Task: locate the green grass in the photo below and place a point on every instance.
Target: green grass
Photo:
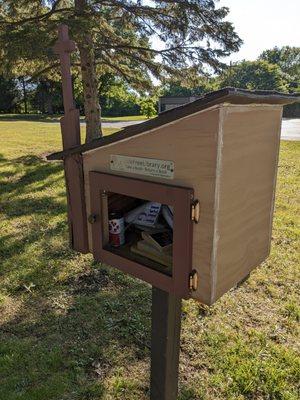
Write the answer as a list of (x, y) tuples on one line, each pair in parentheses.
[(56, 118), (127, 118), (71, 329)]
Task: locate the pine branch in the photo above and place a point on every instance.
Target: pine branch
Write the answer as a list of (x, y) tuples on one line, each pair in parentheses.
[(54, 10), (139, 48), (44, 70)]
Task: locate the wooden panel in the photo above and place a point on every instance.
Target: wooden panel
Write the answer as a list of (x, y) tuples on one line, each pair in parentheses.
[(191, 144), (76, 203), (245, 189)]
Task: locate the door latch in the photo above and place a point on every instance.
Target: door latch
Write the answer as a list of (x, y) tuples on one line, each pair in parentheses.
[(195, 211)]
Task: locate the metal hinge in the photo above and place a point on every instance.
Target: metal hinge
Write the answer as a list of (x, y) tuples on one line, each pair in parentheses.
[(193, 280), (195, 211)]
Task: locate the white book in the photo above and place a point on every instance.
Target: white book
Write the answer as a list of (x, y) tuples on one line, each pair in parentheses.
[(146, 214)]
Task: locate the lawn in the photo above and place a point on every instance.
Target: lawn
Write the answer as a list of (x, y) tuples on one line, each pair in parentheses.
[(72, 329), (56, 118)]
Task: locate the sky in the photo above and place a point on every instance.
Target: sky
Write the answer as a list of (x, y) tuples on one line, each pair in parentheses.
[(264, 24), (261, 24)]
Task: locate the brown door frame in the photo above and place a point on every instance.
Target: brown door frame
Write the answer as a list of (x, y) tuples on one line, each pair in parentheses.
[(180, 198)]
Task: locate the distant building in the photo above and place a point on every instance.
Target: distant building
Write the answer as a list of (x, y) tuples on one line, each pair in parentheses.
[(168, 103)]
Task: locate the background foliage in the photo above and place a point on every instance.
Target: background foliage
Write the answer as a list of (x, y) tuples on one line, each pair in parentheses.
[(276, 69)]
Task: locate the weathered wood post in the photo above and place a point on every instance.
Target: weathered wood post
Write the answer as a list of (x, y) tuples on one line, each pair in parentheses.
[(70, 123), (165, 345), (70, 128)]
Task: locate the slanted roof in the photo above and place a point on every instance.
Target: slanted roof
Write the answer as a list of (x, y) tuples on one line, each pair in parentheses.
[(226, 95)]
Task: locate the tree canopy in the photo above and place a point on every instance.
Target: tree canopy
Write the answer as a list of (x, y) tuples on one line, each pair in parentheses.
[(197, 87), (193, 36), (288, 60), (252, 75), (193, 32)]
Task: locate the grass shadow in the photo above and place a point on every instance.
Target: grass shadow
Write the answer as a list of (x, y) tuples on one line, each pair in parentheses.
[(78, 321)]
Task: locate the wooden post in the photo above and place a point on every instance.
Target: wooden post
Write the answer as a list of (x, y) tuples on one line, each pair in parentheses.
[(70, 122), (165, 345), (70, 128)]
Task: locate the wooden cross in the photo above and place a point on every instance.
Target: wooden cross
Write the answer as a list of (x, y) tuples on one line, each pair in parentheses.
[(70, 122)]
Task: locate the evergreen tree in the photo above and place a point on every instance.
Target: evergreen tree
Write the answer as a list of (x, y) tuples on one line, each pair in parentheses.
[(114, 36)]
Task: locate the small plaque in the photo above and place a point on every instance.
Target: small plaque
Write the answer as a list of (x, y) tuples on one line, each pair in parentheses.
[(142, 166)]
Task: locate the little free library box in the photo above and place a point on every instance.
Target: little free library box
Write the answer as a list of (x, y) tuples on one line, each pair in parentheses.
[(184, 201)]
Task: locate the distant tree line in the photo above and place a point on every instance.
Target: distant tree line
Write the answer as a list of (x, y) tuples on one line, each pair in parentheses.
[(276, 69), (23, 95)]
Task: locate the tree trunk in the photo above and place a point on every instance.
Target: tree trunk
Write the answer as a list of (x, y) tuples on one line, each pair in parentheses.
[(48, 104), (24, 95), (89, 79)]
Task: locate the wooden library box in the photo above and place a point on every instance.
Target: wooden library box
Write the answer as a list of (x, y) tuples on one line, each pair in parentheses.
[(190, 193)]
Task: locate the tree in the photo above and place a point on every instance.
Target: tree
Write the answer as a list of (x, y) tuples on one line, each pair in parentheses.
[(114, 37), (196, 87), (148, 107), (174, 88), (88, 71), (288, 59), (24, 90), (254, 75), (117, 98), (9, 95), (47, 97)]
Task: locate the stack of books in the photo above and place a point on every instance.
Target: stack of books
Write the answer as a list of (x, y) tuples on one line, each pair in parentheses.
[(157, 246)]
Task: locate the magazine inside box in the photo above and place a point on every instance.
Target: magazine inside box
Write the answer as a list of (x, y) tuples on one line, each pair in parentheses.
[(138, 230)]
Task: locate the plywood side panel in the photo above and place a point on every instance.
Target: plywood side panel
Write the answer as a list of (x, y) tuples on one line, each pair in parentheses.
[(250, 144), (192, 145)]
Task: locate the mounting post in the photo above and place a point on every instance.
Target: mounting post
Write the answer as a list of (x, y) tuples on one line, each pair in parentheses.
[(165, 345)]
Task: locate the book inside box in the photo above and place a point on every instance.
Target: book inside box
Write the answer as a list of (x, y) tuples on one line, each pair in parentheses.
[(139, 230)]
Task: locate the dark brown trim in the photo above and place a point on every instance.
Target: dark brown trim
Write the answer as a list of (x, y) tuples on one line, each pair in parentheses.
[(165, 345), (179, 197), (230, 95), (76, 203)]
